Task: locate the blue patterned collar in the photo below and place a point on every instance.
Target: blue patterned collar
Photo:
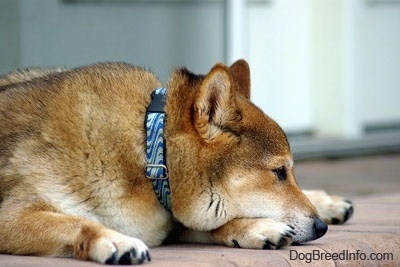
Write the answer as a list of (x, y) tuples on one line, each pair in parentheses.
[(156, 168)]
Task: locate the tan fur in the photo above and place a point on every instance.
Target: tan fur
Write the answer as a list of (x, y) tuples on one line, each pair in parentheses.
[(72, 154), (24, 75)]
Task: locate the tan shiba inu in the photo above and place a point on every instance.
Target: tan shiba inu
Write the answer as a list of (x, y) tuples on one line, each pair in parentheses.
[(73, 166)]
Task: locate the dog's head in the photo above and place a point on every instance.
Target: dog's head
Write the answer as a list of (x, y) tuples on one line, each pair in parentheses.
[(227, 158)]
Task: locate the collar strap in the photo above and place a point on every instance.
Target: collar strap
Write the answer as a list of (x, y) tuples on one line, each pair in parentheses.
[(156, 167)]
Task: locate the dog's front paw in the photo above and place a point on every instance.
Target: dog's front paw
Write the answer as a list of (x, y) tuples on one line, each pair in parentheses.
[(338, 211), (282, 236), (125, 250), (257, 233), (111, 247), (332, 209)]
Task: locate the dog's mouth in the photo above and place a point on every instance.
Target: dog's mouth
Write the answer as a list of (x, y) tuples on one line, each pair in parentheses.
[(312, 229)]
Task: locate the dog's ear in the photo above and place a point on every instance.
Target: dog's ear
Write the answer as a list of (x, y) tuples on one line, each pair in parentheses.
[(241, 76), (215, 108)]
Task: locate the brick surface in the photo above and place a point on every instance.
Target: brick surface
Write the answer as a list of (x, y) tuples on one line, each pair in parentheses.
[(372, 183)]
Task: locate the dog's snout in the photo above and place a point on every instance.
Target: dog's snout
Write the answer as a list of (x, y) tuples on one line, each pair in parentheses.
[(320, 227)]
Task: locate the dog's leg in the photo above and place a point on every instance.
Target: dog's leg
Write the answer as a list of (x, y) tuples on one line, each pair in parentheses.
[(332, 209), (254, 233), (47, 233)]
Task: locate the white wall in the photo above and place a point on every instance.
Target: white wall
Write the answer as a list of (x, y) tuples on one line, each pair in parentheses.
[(378, 59), (329, 66), (336, 106), (280, 60)]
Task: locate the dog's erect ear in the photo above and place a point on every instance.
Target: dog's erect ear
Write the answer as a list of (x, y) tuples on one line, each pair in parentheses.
[(241, 76), (215, 105)]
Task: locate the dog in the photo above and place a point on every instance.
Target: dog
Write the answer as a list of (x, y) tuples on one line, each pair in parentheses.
[(78, 177)]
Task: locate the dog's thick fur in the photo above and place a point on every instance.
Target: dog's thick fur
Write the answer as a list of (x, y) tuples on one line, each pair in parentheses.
[(72, 155)]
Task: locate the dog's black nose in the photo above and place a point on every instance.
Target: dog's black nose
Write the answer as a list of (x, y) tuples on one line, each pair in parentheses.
[(320, 227)]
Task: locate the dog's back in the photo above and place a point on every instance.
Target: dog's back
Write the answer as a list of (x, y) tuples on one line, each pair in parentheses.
[(28, 74)]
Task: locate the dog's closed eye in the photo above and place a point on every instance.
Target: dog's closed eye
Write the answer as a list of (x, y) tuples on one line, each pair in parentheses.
[(280, 173)]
